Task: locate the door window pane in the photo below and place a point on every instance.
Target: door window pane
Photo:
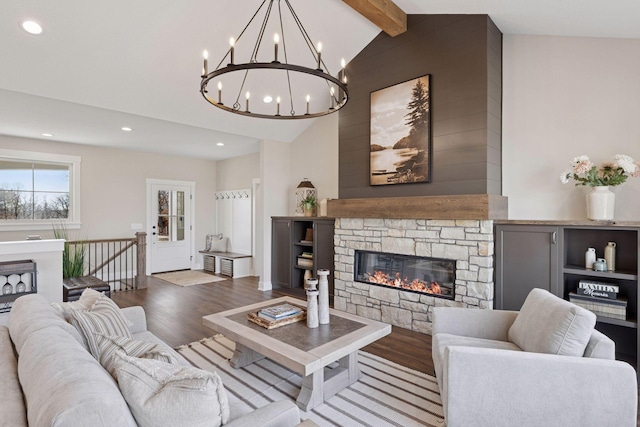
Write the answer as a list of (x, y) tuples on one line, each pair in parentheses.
[(170, 216)]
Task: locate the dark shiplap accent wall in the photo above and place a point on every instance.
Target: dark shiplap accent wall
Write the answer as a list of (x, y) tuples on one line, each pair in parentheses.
[(463, 54)]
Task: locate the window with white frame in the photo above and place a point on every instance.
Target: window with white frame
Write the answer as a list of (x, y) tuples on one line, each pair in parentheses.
[(38, 189)]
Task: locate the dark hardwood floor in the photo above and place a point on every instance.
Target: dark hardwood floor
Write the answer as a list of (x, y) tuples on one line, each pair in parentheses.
[(175, 313)]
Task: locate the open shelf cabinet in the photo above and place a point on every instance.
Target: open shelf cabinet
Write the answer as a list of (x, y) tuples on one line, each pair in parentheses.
[(552, 256), (301, 244), (575, 241)]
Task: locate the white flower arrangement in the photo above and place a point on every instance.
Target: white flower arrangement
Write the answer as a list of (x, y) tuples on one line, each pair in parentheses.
[(584, 172)]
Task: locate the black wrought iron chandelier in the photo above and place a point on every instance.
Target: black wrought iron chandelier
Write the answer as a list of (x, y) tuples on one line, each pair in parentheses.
[(291, 85)]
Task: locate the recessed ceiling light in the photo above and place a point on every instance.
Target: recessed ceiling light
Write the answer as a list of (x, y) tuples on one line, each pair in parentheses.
[(220, 144), (47, 134), (127, 129), (267, 99), (32, 27)]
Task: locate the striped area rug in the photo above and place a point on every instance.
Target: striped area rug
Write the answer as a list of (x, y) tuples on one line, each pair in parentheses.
[(386, 395)]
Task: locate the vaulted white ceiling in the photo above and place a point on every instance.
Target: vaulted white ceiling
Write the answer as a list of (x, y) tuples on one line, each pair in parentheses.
[(100, 66)]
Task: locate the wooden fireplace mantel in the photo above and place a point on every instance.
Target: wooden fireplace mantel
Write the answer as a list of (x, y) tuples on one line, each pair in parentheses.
[(465, 206)]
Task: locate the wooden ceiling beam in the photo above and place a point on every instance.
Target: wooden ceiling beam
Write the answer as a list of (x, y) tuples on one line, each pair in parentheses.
[(384, 13)]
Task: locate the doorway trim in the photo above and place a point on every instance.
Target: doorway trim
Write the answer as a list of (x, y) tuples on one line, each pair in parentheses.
[(150, 220)]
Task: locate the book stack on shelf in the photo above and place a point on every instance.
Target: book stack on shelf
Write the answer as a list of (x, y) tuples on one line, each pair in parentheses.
[(601, 298), (305, 259), (279, 315)]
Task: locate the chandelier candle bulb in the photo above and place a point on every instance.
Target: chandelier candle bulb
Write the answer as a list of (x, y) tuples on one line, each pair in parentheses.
[(277, 106), (276, 40), (319, 55), (248, 96), (205, 70), (220, 93), (308, 99), (332, 98), (232, 43)]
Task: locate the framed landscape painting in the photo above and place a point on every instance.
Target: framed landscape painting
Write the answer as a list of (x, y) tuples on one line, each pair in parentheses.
[(400, 141)]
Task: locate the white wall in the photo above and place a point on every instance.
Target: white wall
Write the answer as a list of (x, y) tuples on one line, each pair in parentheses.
[(113, 188), (272, 200), (238, 172), (314, 155), (564, 97)]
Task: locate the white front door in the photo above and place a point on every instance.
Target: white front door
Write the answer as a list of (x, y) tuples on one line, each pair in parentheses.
[(170, 227)]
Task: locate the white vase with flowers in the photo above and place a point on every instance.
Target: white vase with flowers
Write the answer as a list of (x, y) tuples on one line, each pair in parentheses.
[(601, 200)]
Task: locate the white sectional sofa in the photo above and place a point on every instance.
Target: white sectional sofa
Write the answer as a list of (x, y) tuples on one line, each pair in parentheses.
[(51, 379)]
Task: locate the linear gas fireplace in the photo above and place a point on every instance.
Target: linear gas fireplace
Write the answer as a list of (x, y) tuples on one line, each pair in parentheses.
[(432, 276)]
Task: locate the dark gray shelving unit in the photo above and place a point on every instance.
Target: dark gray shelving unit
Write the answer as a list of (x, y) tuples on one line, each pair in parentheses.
[(551, 256), (288, 235), (526, 258)]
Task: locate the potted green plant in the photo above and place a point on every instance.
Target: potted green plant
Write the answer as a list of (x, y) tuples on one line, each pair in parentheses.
[(309, 205), (72, 258)]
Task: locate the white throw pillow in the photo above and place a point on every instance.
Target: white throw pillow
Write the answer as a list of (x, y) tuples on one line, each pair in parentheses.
[(87, 299), (105, 318), (161, 394), (548, 324), (109, 345), (219, 245)]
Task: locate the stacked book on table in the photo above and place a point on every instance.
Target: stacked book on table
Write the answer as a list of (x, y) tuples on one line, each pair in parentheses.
[(279, 312), (278, 315), (601, 298), (305, 259)]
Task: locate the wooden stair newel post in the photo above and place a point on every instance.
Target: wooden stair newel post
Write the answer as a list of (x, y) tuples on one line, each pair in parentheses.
[(141, 257)]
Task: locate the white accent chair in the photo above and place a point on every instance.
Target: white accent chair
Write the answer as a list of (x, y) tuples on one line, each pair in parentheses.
[(545, 365)]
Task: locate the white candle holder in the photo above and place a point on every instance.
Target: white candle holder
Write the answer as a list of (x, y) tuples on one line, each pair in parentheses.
[(323, 299)]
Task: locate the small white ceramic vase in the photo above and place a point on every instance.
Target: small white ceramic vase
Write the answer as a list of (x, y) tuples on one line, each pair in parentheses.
[(589, 258), (323, 299), (601, 203), (610, 256)]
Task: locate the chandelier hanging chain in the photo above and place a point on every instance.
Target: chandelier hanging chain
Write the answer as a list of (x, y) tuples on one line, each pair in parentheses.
[(256, 47), (314, 52), (337, 85), (241, 33), (236, 105), (286, 60)]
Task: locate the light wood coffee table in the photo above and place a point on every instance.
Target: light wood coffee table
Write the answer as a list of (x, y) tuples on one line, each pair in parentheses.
[(305, 351)]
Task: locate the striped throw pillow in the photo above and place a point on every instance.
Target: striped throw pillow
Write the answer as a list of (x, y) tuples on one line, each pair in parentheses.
[(108, 345), (104, 318)]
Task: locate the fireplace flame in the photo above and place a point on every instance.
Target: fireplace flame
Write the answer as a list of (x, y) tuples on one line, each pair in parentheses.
[(382, 278)]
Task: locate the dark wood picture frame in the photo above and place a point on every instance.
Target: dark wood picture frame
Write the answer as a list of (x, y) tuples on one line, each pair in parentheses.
[(400, 133)]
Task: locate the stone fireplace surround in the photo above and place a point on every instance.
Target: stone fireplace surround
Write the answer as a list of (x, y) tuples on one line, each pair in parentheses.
[(458, 227), (469, 242)]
